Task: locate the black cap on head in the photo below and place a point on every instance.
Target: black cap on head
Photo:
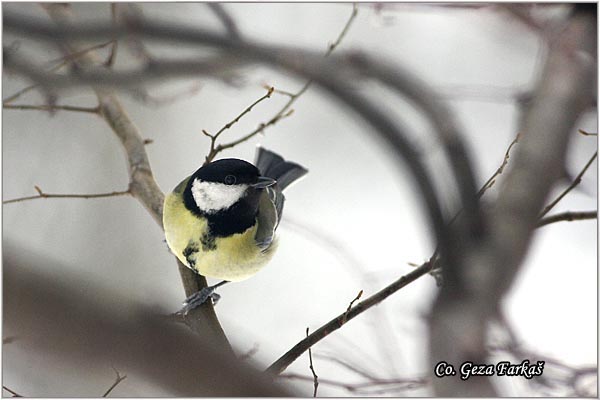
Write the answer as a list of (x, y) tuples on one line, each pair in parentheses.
[(229, 171)]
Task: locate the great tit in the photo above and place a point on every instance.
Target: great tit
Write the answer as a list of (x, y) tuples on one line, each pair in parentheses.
[(221, 220)]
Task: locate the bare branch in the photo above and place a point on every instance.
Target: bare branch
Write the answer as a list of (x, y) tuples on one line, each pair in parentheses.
[(51, 108), (112, 55), (353, 301), (360, 293), (118, 380), (61, 63), (344, 31), (290, 356), (101, 77), (216, 149), (42, 195), (286, 110), (568, 216), (246, 111), (261, 127), (227, 20), (473, 290), (70, 57), (14, 394), (584, 133), (144, 188), (370, 386), (312, 369), (120, 332), (573, 184), (327, 74), (490, 182), (330, 49), (332, 75), (350, 366)]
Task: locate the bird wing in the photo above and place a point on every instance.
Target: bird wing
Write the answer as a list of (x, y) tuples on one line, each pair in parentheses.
[(268, 217)]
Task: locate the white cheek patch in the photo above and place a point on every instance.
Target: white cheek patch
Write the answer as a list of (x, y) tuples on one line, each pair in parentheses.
[(212, 197)]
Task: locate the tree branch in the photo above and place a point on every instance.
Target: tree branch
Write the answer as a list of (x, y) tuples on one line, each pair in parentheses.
[(472, 291), (144, 188), (568, 216), (61, 63), (312, 369), (14, 394), (573, 184), (60, 321), (215, 149), (291, 355), (227, 20), (42, 195), (120, 378), (371, 386), (286, 110), (585, 133), (490, 182), (51, 108)]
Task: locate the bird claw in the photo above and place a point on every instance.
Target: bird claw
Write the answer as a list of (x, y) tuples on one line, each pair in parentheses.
[(198, 299)]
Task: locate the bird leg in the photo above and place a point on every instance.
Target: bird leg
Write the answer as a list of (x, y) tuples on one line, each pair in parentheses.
[(200, 298)]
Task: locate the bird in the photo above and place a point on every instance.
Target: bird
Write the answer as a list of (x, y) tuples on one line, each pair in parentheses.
[(221, 221)]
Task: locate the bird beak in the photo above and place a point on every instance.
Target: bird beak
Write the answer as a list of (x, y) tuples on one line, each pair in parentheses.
[(264, 182)]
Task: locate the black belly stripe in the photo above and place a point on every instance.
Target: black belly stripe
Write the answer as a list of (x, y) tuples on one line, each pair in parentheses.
[(191, 249), (208, 242), (235, 219)]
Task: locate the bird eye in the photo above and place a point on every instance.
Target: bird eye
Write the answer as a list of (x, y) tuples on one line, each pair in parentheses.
[(230, 180)]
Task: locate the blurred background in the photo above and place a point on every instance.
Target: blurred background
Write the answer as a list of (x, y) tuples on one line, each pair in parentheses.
[(353, 223)]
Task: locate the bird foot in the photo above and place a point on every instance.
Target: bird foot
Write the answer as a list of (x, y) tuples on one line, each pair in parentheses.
[(198, 299)]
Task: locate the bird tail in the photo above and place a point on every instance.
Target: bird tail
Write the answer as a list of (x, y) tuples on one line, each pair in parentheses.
[(272, 165)]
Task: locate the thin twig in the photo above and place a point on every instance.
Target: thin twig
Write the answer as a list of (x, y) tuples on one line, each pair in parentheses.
[(216, 149), (284, 361), (474, 289), (112, 55), (15, 394), (330, 49), (286, 110), (353, 301), (568, 375), (51, 108), (490, 182), (279, 91), (573, 184), (404, 383), (42, 195), (312, 369), (62, 61), (118, 380), (484, 188), (347, 365), (291, 355), (261, 127), (143, 186), (68, 58), (585, 133), (568, 216)]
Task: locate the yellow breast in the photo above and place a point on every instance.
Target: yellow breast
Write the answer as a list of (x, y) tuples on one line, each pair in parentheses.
[(233, 258)]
